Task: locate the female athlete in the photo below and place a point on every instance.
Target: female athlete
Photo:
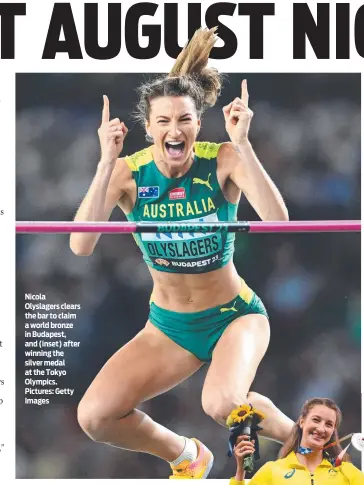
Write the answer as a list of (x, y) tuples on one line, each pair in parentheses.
[(201, 310), (312, 454)]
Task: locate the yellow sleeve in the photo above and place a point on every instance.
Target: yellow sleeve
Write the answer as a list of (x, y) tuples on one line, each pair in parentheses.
[(353, 474), (236, 482), (263, 475)]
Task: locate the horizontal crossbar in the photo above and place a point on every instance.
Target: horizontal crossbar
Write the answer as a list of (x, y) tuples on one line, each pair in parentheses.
[(34, 227)]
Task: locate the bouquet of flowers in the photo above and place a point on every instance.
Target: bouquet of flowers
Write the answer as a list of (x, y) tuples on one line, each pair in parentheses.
[(244, 420)]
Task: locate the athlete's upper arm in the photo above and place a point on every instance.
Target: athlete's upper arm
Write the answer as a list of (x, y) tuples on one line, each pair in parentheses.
[(229, 163), (237, 172), (119, 185)]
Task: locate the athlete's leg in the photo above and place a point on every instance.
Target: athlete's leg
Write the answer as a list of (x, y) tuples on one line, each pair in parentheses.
[(234, 364), (148, 365)]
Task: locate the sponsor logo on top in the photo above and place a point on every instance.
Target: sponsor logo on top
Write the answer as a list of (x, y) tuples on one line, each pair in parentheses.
[(197, 180), (290, 474), (178, 193), (162, 262), (148, 192)]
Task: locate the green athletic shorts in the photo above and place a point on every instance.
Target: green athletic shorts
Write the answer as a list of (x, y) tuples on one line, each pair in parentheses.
[(199, 332)]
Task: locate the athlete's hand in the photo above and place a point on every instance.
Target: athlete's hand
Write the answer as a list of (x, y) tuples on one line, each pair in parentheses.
[(243, 448), (238, 116), (111, 134)]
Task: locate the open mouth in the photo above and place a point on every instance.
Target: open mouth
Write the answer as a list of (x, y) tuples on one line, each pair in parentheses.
[(317, 437), (175, 148)]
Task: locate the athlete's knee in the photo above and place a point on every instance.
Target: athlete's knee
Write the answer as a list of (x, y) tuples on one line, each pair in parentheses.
[(218, 407), (92, 421), (260, 402), (95, 421)]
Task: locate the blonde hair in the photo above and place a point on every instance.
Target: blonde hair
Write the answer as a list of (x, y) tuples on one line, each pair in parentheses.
[(189, 76)]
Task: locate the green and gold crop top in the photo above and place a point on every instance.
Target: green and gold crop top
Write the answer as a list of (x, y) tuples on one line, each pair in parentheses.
[(194, 197)]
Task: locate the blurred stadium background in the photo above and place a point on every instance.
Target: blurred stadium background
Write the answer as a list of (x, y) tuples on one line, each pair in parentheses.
[(306, 132)]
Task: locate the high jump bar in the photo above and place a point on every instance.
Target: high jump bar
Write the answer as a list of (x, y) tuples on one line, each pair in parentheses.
[(57, 227)]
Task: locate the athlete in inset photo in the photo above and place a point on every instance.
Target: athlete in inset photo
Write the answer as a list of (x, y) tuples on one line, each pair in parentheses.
[(312, 454), (201, 310)]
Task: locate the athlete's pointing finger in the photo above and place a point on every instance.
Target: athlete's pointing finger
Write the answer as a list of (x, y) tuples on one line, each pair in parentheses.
[(106, 110), (244, 92)]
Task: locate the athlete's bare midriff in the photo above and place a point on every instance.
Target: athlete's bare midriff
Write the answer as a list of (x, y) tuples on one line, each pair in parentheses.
[(195, 292), (189, 292)]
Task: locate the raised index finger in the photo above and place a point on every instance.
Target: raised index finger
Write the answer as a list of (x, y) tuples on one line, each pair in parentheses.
[(105, 110), (244, 92)]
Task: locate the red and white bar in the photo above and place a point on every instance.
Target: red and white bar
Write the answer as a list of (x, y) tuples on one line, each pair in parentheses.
[(305, 226), (33, 227), (30, 227)]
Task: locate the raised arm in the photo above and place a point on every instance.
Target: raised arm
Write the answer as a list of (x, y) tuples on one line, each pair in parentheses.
[(246, 171), (107, 186)]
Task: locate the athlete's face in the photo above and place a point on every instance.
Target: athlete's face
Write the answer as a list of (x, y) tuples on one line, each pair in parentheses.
[(318, 427), (173, 124)]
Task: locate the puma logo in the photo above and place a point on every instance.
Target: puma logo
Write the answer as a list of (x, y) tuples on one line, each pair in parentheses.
[(232, 309), (196, 180)]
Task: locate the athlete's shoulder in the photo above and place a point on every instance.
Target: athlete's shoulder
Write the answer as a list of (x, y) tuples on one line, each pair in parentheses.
[(138, 159), (227, 150), (206, 149), (264, 474), (288, 461), (228, 157), (268, 465), (352, 472)]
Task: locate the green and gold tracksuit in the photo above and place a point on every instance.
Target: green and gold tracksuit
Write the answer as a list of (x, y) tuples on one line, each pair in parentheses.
[(289, 471)]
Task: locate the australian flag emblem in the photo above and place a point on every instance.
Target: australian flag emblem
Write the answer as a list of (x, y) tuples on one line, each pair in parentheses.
[(148, 192)]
